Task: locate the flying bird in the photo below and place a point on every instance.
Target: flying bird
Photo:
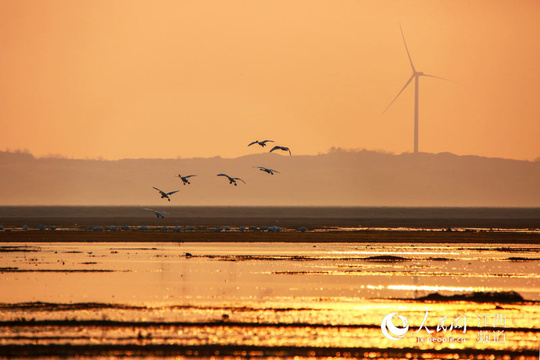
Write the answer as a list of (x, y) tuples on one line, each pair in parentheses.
[(185, 178), (231, 179), (284, 148), (164, 194), (262, 143), (159, 214), (267, 170)]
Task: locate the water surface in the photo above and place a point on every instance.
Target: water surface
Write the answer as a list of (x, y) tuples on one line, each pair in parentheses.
[(291, 299)]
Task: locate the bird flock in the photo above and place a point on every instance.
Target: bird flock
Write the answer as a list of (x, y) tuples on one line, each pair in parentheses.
[(232, 180), (186, 181)]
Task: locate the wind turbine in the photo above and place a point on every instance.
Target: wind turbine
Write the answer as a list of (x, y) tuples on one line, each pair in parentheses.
[(415, 75)]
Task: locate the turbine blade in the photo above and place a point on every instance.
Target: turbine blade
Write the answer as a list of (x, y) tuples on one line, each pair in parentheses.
[(406, 48), (438, 77), (399, 93)]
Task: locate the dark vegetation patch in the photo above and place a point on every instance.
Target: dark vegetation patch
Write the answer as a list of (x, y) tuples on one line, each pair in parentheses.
[(517, 249), (245, 351), (19, 249), (271, 257), (116, 249), (45, 306), (17, 270), (386, 258), (8, 269), (479, 297), (440, 259)]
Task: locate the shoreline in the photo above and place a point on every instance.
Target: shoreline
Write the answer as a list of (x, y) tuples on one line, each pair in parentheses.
[(285, 217), (360, 236)]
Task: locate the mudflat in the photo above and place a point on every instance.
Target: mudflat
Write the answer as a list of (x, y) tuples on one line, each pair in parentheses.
[(329, 236)]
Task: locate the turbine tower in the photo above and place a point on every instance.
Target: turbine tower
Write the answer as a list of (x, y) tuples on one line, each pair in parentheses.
[(415, 75)]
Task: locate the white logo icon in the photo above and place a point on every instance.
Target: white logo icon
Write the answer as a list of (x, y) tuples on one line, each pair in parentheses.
[(390, 331)]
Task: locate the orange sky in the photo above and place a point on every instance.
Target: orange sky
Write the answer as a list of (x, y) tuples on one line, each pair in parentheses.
[(128, 78)]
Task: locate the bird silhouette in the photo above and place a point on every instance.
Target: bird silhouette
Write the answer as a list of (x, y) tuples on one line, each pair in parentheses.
[(159, 214), (267, 170), (185, 178), (164, 194), (284, 148), (262, 143), (231, 179)]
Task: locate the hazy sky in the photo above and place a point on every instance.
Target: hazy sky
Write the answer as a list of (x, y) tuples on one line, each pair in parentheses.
[(128, 78)]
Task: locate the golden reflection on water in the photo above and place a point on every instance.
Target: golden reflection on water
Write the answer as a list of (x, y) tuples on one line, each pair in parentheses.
[(262, 295)]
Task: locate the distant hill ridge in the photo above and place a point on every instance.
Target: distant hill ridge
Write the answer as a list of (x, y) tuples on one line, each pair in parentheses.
[(338, 178)]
